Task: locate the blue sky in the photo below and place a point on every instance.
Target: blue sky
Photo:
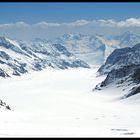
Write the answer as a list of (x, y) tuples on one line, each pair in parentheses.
[(66, 12)]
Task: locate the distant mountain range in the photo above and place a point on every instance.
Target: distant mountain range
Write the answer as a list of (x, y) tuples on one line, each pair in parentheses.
[(67, 51), (94, 49)]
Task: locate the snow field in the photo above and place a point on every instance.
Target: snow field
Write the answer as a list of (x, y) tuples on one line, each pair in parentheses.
[(61, 103)]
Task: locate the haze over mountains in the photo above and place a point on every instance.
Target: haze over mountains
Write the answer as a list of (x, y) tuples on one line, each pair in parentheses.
[(94, 49)]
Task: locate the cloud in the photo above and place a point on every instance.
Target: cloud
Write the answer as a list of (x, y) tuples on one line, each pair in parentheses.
[(17, 24), (44, 29), (77, 23), (108, 23), (46, 24), (131, 22)]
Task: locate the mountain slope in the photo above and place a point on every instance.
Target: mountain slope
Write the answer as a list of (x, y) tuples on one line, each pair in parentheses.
[(127, 39), (121, 57), (18, 57), (94, 49), (89, 48), (123, 70)]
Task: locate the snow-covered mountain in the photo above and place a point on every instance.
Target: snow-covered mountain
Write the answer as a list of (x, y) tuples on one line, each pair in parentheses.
[(94, 49), (126, 78), (91, 48), (120, 58), (18, 57), (123, 70), (69, 50), (127, 39)]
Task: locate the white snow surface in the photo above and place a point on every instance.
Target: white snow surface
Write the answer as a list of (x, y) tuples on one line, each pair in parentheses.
[(61, 103)]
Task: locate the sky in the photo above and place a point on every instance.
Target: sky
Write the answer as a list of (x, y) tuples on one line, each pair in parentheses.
[(26, 20), (34, 12)]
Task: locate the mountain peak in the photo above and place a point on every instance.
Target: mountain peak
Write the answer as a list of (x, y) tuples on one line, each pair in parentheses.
[(2, 38), (128, 32), (137, 45)]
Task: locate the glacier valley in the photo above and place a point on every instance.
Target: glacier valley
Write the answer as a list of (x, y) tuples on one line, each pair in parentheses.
[(61, 103)]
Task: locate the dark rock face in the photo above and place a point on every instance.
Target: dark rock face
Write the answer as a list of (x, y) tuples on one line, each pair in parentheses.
[(16, 73), (4, 55), (62, 49), (122, 68), (3, 104), (131, 72), (134, 91), (120, 58), (75, 64), (3, 74), (136, 75), (37, 67), (128, 71), (79, 63), (8, 45), (20, 68)]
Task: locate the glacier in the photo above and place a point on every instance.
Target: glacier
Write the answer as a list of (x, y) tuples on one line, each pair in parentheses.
[(60, 103)]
